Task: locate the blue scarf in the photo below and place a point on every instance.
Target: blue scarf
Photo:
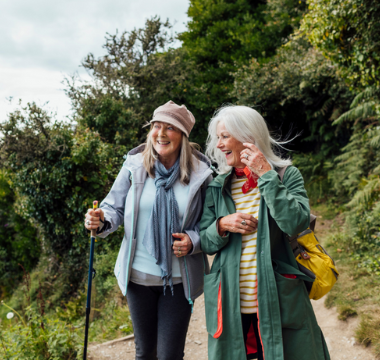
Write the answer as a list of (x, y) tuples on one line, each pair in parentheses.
[(164, 221)]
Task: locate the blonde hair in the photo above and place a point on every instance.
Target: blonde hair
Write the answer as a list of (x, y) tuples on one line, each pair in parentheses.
[(186, 160), (247, 126)]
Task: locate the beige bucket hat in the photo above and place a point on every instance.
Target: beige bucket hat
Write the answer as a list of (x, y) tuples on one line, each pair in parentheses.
[(176, 115)]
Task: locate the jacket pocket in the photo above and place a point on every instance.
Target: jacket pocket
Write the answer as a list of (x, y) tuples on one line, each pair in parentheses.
[(292, 296), (213, 304)]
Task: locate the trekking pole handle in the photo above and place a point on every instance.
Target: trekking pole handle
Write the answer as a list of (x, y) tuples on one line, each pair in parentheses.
[(94, 207)]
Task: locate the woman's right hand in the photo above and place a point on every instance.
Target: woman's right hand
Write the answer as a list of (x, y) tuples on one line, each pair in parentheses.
[(91, 221), (233, 223)]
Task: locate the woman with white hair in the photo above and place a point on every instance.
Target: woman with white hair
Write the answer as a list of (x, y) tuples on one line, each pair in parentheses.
[(158, 196), (257, 304)]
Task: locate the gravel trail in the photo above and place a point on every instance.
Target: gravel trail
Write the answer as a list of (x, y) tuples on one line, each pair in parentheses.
[(339, 337)]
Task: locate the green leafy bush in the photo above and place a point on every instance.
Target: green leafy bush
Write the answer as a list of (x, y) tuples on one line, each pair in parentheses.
[(224, 35), (356, 174), (364, 228), (112, 320), (56, 173), (39, 337), (348, 33), (19, 243), (314, 169), (360, 238), (298, 91)]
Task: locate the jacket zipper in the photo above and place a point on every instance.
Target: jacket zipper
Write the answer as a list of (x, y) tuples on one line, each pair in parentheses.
[(184, 258), (188, 285), (187, 273), (131, 236)]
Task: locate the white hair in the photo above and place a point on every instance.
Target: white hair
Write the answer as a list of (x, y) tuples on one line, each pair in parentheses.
[(247, 126)]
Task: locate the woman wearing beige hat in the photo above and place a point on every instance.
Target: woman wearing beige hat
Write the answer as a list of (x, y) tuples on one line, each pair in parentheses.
[(158, 196)]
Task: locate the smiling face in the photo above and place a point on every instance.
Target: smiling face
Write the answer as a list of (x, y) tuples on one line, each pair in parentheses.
[(167, 140), (229, 146)]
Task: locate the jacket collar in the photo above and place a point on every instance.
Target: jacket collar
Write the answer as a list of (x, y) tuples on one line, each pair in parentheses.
[(223, 181)]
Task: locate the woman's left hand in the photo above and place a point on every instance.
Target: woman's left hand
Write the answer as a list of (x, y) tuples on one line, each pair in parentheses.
[(182, 247), (254, 159)]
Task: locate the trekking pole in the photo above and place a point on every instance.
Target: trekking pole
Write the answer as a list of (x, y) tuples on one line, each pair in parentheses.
[(91, 274)]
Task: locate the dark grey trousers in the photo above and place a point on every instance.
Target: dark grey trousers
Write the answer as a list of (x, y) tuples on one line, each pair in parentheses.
[(160, 322)]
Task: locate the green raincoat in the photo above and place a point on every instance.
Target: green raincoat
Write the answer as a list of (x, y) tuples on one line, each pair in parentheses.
[(287, 324)]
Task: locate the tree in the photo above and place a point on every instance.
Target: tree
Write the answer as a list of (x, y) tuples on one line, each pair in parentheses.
[(223, 35), (19, 243), (298, 90), (56, 173), (138, 73), (140, 70), (348, 33)]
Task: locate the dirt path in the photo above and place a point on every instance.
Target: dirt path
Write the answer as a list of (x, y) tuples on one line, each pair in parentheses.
[(339, 337), (339, 334)]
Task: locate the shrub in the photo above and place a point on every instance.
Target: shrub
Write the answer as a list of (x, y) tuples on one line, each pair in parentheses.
[(19, 243), (56, 173), (39, 337)]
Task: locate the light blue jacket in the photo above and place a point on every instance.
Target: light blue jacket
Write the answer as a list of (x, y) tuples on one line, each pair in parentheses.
[(121, 206)]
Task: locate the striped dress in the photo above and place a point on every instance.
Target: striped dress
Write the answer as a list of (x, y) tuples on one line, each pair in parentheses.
[(248, 203)]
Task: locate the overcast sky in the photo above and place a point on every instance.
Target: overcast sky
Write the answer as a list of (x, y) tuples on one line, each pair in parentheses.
[(42, 41)]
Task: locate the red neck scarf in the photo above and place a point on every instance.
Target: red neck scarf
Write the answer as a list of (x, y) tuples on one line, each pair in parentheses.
[(251, 182)]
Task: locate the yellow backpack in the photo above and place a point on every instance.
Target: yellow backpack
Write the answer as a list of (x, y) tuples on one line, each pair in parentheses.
[(313, 260), (311, 256)]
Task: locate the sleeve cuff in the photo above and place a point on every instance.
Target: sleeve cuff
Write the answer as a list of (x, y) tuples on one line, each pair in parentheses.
[(105, 227), (226, 233), (195, 240), (268, 176)]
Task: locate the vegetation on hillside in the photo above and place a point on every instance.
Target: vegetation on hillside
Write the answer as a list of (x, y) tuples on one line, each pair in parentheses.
[(19, 243), (224, 35)]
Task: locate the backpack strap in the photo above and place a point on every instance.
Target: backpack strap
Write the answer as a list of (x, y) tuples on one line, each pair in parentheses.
[(313, 220), (296, 247)]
